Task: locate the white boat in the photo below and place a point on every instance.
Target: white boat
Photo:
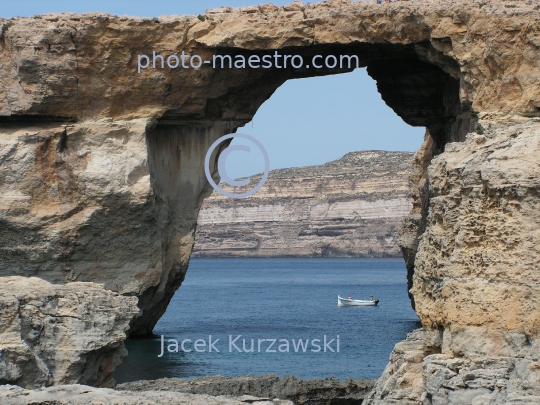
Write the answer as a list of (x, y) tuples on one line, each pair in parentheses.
[(346, 302)]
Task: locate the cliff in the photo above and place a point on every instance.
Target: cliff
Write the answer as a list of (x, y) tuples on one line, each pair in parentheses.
[(475, 282), (102, 178), (351, 207)]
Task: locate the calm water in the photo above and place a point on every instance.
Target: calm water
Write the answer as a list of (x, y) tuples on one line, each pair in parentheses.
[(279, 299)]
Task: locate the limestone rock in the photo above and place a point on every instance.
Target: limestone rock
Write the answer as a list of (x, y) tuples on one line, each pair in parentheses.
[(401, 381), (351, 207), (467, 367), (103, 202), (85, 66), (60, 334), (302, 392), (414, 224), (475, 282), (477, 260), (84, 395)]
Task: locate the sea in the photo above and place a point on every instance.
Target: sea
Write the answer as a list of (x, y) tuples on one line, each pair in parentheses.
[(290, 301)]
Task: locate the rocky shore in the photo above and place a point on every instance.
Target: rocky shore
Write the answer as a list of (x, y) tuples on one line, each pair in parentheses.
[(263, 390), (85, 395), (476, 284), (329, 391)]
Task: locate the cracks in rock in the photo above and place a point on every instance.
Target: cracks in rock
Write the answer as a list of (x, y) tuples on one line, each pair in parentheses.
[(61, 145), (10, 152), (73, 37), (40, 363)]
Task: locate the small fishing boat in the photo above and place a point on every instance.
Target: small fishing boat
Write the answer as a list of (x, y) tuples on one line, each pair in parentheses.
[(349, 302)]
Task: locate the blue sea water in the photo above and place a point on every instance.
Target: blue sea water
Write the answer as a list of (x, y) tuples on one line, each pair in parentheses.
[(278, 299)]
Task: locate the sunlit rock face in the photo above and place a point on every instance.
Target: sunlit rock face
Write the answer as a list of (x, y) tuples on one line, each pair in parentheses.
[(111, 203), (101, 167), (61, 334), (351, 207), (475, 282)]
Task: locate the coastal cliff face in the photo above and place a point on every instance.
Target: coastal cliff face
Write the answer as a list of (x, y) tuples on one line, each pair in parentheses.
[(475, 283), (351, 207), (85, 395), (112, 203), (101, 167)]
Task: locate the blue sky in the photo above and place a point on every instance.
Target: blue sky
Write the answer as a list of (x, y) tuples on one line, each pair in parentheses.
[(306, 121), (143, 8)]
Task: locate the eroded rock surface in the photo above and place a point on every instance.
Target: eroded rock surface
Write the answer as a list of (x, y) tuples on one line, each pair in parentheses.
[(477, 261), (476, 278), (301, 392), (89, 62), (60, 334), (85, 395), (351, 207), (465, 367), (107, 202)]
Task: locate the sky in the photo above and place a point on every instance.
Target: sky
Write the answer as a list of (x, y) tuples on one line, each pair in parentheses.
[(306, 122)]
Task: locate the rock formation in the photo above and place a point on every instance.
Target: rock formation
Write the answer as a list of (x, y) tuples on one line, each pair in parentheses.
[(476, 284), (315, 391), (60, 334), (123, 150), (78, 205), (84, 395), (101, 167), (351, 207)]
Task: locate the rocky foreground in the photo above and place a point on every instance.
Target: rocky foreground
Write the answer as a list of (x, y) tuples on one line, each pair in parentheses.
[(85, 395), (330, 391), (263, 390), (351, 207), (61, 334)]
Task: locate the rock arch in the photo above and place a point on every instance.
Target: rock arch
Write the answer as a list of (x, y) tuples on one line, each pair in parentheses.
[(101, 166)]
